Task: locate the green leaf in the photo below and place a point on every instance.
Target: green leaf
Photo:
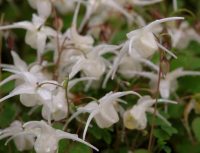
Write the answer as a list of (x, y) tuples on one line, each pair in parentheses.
[(176, 111), (7, 114), (63, 146), (169, 130), (161, 135), (80, 148), (141, 151), (196, 128), (107, 136)]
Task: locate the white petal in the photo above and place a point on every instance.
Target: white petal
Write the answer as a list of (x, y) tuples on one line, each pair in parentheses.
[(29, 100), (143, 2), (88, 122), (8, 79), (156, 22), (24, 25), (65, 135), (21, 89), (31, 39), (41, 42), (44, 8), (18, 62)]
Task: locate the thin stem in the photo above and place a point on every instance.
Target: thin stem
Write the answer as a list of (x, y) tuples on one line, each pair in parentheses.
[(1, 44), (44, 83), (150, 145)]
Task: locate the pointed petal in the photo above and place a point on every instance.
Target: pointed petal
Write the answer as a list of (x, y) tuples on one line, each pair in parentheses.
[(143, 2), (148, 63), (76, 68), (166, 50), (75, 81), (8, 79), (156, 22), (24, 25), (115, 5), (91, 116), (167, 101), (21, 89), (151, 110), (18, 62), (65, 135), (122, 53)]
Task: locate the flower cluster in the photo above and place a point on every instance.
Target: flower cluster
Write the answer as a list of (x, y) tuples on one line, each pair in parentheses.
[(80, 58)]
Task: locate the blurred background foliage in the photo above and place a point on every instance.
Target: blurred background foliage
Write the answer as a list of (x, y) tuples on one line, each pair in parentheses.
[(176, 139)]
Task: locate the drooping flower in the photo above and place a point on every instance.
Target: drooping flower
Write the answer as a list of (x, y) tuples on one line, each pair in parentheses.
[(169, 83), (36, 34), (93, 6), (102, 110), (135, 118), (182, 35), (22, 142), (46, 137), (92, 63), (142, 43)]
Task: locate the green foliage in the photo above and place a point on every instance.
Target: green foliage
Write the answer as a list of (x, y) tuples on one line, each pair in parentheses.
[(196, 128)]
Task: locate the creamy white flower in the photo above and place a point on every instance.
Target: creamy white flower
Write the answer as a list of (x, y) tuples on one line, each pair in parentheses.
[(169, 83), (27, 81), (81, 42), (46, 137), (56, 108), (102, 110), (182, 35), (21, 66), (22, 142), (36, 34), (92, 63), (142, 44), (135, 118), (92, 6), (127, 64)]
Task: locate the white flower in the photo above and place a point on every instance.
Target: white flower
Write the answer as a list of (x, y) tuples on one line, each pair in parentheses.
[(127, 64), (21, 66), (92, 64), (102, 110), (92, 6), (135, 118), (81, 42), (47, 138), (43, 7), (36, 34), (56, 108), (22, 142), (142, 44), (27, 81), (182, 35), (168, 84)]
